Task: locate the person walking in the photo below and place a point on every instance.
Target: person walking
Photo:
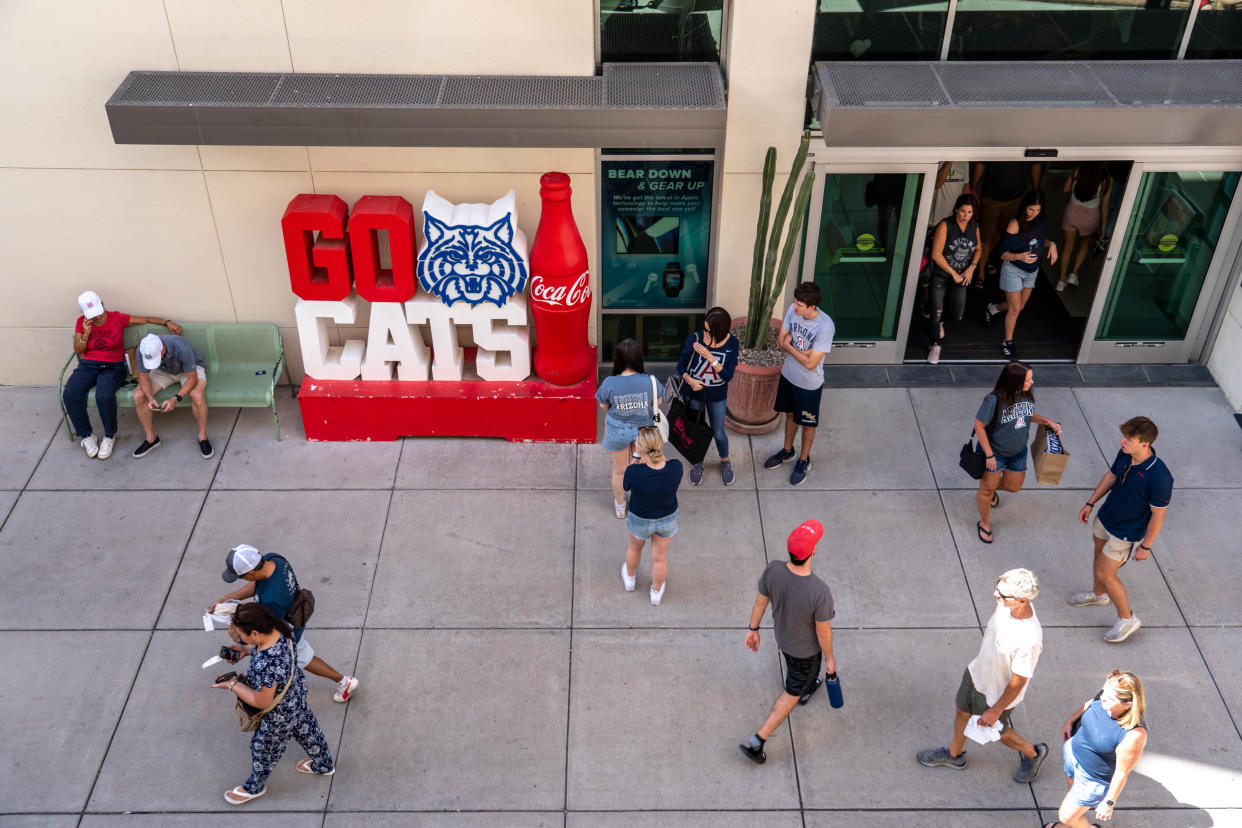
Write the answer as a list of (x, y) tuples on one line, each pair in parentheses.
[(999, 186), (1139, 487), (708, 360), (1002, 427), (1089, 188), (806, 338), (99, 343), (996, 681), (273, 683), (270, 581), (1103, 742), (955, 257), (628, 398), (802, 613), (652, 483), (1022, 249)]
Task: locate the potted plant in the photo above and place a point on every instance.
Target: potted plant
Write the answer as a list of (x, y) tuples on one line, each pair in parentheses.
[(752, 393)]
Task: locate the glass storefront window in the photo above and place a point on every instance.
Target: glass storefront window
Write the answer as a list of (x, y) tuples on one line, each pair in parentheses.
[(656, 230), (660, 30), (864, 247), (1067, 30), (661, 336), (1217, 32), (878, 30), (1168, 248)]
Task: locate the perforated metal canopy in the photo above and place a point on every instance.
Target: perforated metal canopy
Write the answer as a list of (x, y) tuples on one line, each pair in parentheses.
[(1008, 104), (647, 104)]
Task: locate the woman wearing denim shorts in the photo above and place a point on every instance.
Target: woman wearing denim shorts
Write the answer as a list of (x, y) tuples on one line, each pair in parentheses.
[(1002, 427), (626, 396), (1103, 742), (652, 483), (1022, 249)]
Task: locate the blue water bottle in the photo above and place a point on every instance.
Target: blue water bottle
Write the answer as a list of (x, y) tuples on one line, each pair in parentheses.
[(833, 685)]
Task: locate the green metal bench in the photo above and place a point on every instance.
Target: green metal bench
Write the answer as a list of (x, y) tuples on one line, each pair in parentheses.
[(242, 360)]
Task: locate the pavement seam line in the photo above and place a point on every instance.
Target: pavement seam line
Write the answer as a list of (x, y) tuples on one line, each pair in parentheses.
[(185, 547), (29, 477)]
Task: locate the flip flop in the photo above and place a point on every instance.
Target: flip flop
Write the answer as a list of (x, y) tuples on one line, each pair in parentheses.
[(995, 500), (305, 767), (979, 528), (239, 795)]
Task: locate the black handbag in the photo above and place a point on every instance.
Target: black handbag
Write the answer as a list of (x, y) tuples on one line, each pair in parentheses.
[(688, 429), (972, 460)]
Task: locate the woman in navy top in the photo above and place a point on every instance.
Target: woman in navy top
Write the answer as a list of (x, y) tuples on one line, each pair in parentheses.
[(708, 360), (652, 483), (1100, 753), (1022, 249)]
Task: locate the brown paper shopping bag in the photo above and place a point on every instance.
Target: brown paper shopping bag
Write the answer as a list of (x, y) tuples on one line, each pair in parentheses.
[(1048, 466)]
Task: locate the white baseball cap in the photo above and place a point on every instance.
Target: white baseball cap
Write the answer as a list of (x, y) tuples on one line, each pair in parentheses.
[(152, 351), (241, 559), (91, 304)]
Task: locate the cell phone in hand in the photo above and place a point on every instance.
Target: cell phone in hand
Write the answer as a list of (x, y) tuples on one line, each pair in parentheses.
[(229, 676), (230, 655)]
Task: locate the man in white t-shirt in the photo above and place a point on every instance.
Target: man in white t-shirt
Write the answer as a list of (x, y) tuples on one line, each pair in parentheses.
[(996, 680)]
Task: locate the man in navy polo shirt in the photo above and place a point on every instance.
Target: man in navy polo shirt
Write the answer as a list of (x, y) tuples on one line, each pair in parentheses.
[(1139, 487)]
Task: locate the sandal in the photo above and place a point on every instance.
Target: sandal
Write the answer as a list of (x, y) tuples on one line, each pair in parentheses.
[(240, 796), (995, 500), (982, 532), (305, 767)]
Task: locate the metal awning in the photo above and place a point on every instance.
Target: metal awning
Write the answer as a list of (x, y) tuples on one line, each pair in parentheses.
[(964, 104), (628, 105)]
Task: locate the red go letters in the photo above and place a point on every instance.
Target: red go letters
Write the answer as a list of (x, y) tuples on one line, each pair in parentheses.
[(318, 269)]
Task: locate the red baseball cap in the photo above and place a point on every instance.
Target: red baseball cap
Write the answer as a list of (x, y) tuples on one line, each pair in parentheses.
[(802, 540)]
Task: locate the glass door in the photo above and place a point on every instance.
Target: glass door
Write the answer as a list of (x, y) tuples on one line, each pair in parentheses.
[(1163, 281), (860, 243)]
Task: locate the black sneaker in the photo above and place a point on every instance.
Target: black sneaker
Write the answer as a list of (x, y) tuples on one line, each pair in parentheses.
[(782, 456), (146, 447), (806, 697), (1007, 349), (799, 472), (204, 448), (1028, 768), (987, 316), (754, 749)]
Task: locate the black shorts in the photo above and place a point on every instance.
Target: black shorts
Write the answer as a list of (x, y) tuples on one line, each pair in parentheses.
[(800, 673), (803, 404)]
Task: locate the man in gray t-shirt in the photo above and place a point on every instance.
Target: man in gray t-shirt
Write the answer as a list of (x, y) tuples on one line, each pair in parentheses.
[(163, 360), (802, 609)]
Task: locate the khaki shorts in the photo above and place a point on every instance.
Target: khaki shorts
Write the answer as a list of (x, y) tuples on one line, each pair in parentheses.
[(163, 379), (994, 216), (1114, 547)]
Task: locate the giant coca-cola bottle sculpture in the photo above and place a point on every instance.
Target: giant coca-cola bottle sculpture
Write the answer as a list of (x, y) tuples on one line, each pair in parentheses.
[(560, 288)]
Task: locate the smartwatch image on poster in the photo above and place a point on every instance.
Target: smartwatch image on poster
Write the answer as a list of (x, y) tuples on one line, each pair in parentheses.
[(672, 279)]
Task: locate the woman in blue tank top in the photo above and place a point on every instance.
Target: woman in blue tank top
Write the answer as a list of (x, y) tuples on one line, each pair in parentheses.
[(1103, 743)]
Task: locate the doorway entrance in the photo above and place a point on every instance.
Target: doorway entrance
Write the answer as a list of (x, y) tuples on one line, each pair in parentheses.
[(1081, 203)]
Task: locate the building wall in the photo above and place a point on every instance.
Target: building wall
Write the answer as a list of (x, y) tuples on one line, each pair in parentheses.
[(1225, 361), (193, 232)]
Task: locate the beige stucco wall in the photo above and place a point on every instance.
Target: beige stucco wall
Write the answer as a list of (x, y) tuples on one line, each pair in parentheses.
[(1225, 362), (768, 49), (193, 232)]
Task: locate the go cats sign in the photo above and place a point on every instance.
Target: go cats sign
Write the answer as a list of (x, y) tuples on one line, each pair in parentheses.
[(472, 267)]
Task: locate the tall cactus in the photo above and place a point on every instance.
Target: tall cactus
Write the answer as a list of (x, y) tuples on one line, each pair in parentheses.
[(765, 283)]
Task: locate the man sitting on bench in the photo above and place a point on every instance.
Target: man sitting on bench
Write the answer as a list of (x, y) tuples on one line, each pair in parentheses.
[(163, 360)]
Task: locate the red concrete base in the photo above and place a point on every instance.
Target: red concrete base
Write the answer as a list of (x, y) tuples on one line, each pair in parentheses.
[(529, 411)]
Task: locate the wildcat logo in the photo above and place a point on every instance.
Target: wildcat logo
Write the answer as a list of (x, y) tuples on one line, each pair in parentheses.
[(473, 253), (570, 296)]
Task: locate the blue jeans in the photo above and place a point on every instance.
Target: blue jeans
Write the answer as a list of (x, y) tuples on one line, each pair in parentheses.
[(106, 378), (716, 419)]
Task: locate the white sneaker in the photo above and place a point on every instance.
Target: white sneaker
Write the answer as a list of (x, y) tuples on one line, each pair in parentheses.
[(1060, 287), (933, 356), (627, 579), (105, 448), (345, 689), (1073, 279), (657, 597), (1087, 598), (91, 445), (1122, 629), (619, 508)]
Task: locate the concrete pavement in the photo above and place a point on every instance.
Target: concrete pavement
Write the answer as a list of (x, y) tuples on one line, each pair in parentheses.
[(508, 680)]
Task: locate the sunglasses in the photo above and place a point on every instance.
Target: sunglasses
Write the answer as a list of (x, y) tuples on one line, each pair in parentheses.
[(1003, 596)]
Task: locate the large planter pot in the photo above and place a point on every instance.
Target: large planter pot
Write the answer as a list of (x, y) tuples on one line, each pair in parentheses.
[(752, 393)]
